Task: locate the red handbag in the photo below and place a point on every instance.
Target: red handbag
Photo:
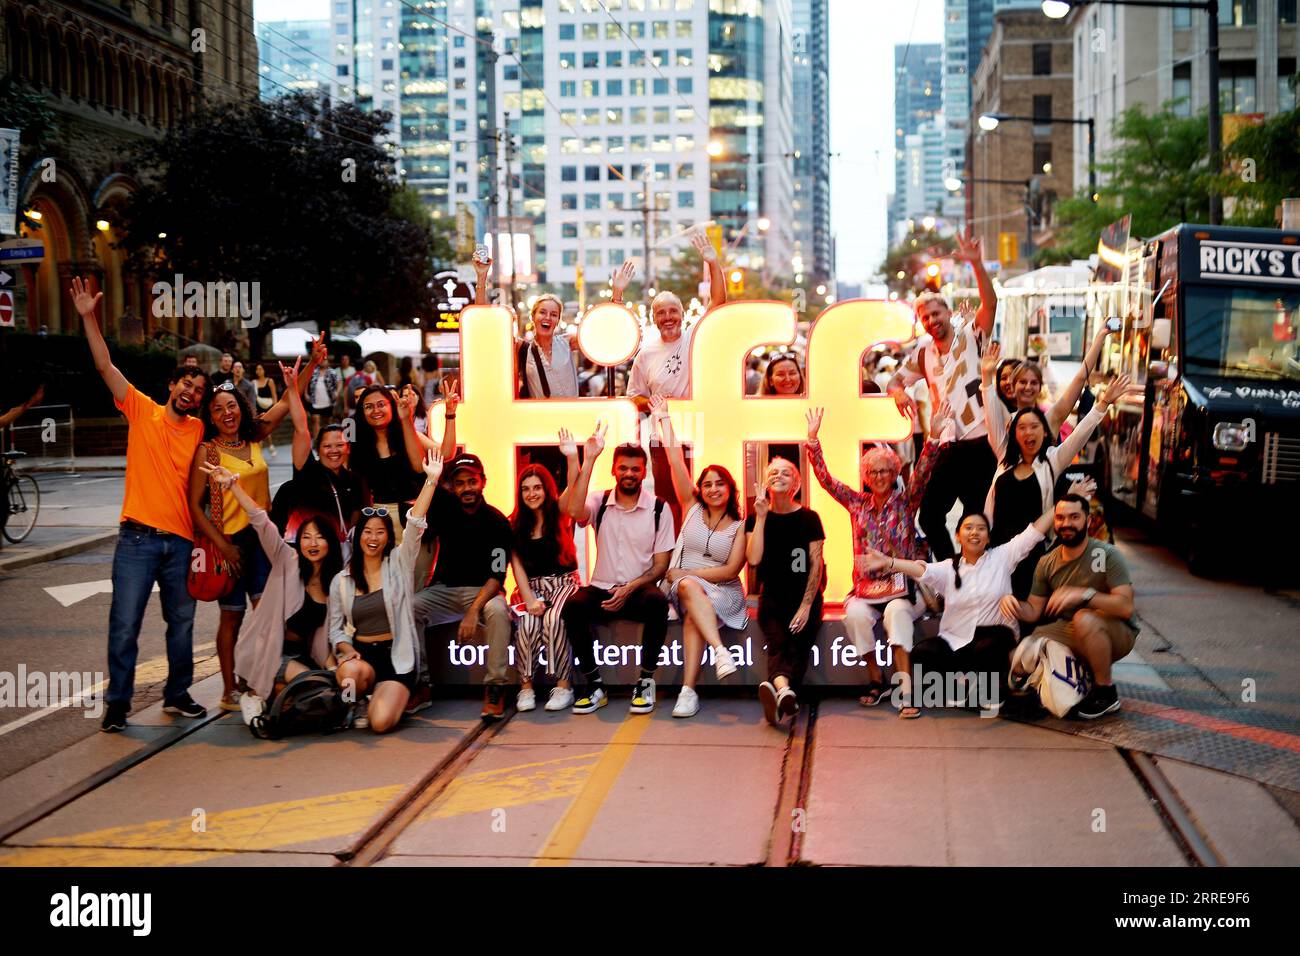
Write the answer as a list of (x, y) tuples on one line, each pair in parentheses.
[(210, 577)]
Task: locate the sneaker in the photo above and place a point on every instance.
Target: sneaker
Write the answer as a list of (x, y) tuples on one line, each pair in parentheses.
[(767, 697), (724, 663), (185, 706), (494, 704), (688, 703), (526, 701), (361, 714), (643, 696), (422, 699), (787, 704), (1103, 699), (561, 697), (591, 703), (250, 706), (114, 719), (230, 702)]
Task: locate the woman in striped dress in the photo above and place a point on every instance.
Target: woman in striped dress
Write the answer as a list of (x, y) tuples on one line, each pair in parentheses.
[(704, 576)]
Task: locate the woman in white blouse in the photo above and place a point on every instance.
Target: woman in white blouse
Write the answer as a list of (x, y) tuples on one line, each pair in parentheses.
[(974, 633)]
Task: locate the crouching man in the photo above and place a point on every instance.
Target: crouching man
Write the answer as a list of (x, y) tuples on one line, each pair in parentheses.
[(1084, 589)]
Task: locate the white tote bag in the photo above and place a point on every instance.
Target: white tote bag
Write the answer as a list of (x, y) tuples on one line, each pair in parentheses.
[(1060, 676)]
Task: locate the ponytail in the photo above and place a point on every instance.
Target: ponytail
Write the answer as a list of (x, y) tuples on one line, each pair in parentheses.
[(956, 573)]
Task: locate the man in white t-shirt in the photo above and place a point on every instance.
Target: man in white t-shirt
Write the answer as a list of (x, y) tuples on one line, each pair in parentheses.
[(950, 362), (663, 365)]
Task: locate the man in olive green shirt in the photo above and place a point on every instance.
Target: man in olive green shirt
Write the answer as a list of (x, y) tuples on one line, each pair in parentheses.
[(1084, 591)]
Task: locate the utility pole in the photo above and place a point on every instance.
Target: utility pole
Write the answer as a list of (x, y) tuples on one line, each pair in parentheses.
[(647, 221), (510, 209), (493, 223)]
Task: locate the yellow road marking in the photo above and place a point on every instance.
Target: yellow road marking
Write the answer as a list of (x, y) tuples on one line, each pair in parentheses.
[(512, 786), (571, 830)]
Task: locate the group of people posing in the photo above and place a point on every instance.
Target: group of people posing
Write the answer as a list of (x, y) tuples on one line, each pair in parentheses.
[(384, 532)]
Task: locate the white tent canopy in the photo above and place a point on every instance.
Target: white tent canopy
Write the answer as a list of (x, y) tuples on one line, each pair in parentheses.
[(292, 342)]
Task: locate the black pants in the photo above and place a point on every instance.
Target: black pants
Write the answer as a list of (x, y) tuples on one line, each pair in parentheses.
[(964, 470), (989, 652), (646, 604), (787, 653)]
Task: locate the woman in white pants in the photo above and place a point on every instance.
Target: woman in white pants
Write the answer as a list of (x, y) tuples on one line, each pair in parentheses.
[(884, 519)]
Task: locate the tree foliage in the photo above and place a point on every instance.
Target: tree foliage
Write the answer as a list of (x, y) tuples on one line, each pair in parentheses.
[(1263, 168), (295, 194), (911, 256)]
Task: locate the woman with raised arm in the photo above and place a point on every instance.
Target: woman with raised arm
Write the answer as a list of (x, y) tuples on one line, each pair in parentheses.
[(371, 620), (284, 635), (883, 518), (546, 575), (784, 543), (1025, 482), (232, 438), (974, 633), (704, 575), (322, 483), (386, 453)]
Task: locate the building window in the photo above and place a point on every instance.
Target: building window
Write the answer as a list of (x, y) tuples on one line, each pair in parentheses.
[(1286, 83), (593, 230), (685, 170), (636, 115), (615, 144), (685, 84), (1042, 59), (1182, 90), (660, 30), (612, 31), (385, 64), (591, 31), (636, 30), (686, 200), (1042, 112), (569, 201), (566, 31), (1237, 13), (661, 114), (614, 201), (683, 29), (590, 61), (591, 88), (617, 230), (591, 174), (662, 172), (613, 87), (614, 58), (636, 87), (510, 72), (568, 174), (460, 43), (341, 70), (593, 257), (591, 117), (684, 58), (1042, 156), (659, 57), (569, 257), (1286, 12), (458, 63), (341, 29), (614, 116), (568, 230), (1237, 86), (566, 61)]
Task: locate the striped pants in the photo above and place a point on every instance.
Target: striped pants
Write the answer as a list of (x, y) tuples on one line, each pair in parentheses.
[(549, 627)]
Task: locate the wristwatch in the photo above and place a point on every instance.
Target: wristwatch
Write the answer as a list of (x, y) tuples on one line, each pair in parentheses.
[(1088, 595)]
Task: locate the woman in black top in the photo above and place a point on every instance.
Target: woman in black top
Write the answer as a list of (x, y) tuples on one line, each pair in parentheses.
[(386, 454), (546, 573), (784, 543)]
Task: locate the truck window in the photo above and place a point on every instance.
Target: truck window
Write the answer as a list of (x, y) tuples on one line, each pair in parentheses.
[(1244, 331)]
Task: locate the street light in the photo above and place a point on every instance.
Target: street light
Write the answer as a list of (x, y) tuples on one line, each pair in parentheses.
[(990, 121), (953, 184), (1059, 9), (715, 148)]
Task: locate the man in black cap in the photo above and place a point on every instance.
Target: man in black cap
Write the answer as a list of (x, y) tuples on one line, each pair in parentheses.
[(468, 582)]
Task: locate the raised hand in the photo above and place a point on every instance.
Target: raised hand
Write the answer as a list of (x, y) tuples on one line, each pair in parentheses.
[(705, 248), (482, 266), (406, 403), (223, 476), (1116, 389), (621, 277), (568, 446), (433, 464), (450, 394), (83, 300), (761, 505), (906, 403), (290, 375), (814, 416), (596, 443), (1084, 488), (970, 247), (989, 361), (319, 353)]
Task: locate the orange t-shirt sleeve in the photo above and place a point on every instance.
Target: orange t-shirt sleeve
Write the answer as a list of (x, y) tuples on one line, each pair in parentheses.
[(135, 404)]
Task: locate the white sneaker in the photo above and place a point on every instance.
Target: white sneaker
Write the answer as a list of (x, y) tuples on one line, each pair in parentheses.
[(643, 696), (250, 706), (361, 714), (725, 663), (688, 703), (561, 697), (592, 702), (527, 700)]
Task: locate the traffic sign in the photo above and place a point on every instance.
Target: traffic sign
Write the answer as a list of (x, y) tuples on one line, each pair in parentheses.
[(23, 251), (6, 308), (5, 278)]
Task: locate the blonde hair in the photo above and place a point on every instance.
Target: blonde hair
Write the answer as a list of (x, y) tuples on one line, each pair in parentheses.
[(665, 296), (927, 296), (546, 297), (798, 478)]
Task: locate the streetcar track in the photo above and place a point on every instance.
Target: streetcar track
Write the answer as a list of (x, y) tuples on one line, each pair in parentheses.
[(789, 819), (1173, 812)]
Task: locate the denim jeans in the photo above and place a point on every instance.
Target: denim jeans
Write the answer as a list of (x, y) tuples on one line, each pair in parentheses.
[(139, 561)]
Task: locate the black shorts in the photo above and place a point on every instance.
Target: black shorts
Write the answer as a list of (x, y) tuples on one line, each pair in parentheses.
[(379, 655)]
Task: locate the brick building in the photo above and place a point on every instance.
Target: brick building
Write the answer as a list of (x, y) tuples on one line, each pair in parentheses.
[(1026, 71), (113, 72)]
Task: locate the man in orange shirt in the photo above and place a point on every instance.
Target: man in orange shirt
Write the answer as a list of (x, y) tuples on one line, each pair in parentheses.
[(155, 539)]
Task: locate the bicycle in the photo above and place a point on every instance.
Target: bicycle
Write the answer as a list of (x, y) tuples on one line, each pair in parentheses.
[(21, 499)]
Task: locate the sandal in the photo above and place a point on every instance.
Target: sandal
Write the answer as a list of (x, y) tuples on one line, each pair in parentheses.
[(876, 692), (908, 710)]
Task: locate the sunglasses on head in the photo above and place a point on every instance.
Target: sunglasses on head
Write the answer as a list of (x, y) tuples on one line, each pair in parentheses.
[(224, 387), (375, 512)]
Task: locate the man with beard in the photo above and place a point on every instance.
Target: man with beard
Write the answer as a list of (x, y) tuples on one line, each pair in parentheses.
[(634, 541), (474, 541), (156, 535), (1085, 590), (950, 362)]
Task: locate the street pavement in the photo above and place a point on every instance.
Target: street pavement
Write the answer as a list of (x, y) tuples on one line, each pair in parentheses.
[(1203, 764)]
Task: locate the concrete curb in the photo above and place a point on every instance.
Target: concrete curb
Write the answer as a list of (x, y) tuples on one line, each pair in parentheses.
[(75, 546)]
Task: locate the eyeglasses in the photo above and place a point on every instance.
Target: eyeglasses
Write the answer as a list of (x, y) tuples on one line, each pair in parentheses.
[(881, 471), (375, 512)]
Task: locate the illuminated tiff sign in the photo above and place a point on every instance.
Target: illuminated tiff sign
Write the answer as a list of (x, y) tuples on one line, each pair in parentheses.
[(718, 417)]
